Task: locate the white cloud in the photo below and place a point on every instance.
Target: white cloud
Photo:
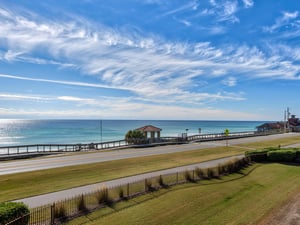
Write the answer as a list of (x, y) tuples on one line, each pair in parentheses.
[(219, 72), (11, 56), (248, 3), (184, 22), (288, 15), (5, 96), (72, 83), (229, 10), (213, 2), (284, 20), (230, 81), (192, 5), (152, 68), (223, 11), (129, 112)]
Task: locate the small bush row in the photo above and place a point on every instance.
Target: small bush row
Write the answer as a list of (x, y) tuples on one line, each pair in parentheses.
[(232, 166), (274, 154)]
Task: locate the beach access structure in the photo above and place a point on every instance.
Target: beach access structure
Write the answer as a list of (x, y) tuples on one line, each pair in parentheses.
[(41, 149)]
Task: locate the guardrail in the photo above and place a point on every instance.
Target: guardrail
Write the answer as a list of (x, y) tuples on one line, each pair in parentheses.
[(234, 135), (57, 148)]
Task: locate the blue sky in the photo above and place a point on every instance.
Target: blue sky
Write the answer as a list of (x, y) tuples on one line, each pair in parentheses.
[(149, 59)]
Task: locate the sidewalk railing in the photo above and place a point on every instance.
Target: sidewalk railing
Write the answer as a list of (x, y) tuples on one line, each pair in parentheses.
[(56, 148)]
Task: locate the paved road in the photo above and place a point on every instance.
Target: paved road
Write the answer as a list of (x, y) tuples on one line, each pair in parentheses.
[(45, 199), (19, 166)]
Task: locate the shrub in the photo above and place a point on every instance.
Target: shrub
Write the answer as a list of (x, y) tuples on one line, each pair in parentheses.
[(199, 173), (161, 182), (282, 156), (81, 205), (60, 212), (206, 173), (221, 169), (258, 155), (10, 211), (149, 186), (215, 172), (103, 197), (210, 173), (188, 176), (121, 193)]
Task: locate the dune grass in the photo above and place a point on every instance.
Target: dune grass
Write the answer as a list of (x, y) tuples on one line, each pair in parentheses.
[(235, 199)]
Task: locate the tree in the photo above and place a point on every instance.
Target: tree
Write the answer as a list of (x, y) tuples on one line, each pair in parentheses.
[(134, 137)]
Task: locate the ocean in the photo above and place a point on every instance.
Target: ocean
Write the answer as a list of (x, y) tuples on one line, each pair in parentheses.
[(27, 132)]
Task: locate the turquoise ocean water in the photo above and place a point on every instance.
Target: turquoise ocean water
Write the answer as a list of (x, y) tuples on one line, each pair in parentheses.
[(24, 132)]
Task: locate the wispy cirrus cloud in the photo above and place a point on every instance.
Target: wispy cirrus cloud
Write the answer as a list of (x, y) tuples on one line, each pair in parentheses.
[(223, 11), (144, 64), (192, 5), (129, 112), (287, 18), (248, 3), (8, 96), (230, 81)]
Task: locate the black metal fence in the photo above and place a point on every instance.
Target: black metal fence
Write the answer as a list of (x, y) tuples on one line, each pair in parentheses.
[(60, 212)]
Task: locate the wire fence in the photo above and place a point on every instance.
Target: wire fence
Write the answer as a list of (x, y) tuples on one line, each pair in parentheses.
[(65, 210)]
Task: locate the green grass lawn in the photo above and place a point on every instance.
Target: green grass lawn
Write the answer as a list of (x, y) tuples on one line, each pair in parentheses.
[(21, 185), (16, 186), (234, 199), (273, 143)]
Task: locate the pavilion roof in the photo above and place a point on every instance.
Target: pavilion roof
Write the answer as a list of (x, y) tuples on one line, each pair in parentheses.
[(149, 128)]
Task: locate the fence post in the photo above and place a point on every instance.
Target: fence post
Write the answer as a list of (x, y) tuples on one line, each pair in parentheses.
[(52, 214), (177, 177), (146, 189), (127, 190)]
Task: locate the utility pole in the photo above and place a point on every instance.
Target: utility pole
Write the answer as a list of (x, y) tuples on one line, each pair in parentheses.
[(101, 131), (285, 121), (288, 116)]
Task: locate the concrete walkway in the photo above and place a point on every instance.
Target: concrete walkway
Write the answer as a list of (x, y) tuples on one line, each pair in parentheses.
[(45, 199)]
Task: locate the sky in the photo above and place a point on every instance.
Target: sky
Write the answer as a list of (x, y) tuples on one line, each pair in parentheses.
[(149, 59)]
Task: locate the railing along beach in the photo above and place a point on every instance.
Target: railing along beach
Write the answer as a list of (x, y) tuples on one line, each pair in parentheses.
[(60, 148), (57, 148)]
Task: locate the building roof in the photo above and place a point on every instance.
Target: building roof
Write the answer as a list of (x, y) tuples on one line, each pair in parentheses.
[(149, 128), (277, 125)]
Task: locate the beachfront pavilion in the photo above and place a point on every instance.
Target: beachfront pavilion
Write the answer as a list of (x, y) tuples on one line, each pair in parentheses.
[(152, 130)]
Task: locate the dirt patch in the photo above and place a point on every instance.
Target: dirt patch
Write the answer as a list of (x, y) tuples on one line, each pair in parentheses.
[(287, 214)]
